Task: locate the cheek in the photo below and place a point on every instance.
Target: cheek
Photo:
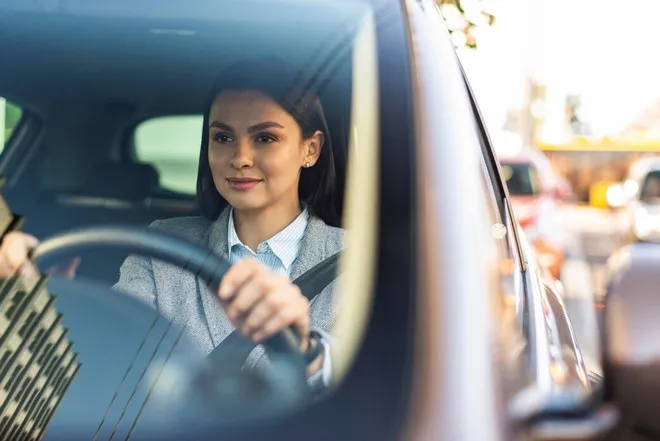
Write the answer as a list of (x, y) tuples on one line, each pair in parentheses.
[(216, 158), (283, 164)]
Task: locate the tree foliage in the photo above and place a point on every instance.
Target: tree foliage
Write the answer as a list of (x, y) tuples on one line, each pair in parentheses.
[(12, 117), (464, 17)]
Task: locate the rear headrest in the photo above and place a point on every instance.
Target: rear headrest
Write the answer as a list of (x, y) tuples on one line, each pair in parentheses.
[(124, 181)]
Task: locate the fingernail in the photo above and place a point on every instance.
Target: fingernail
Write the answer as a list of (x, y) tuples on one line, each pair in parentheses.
[(258, 337), (232, 315)]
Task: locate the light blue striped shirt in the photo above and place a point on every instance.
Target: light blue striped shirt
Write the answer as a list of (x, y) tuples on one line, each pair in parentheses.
[(277, 253)]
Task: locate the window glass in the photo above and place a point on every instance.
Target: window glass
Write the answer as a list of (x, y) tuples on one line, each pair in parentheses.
[(520, 178), (502, 236), (120, 146), (171, 145), (10, 116), (510, 302), (651, 188)]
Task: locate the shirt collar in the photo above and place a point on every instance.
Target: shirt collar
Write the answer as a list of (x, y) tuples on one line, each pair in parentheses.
[(285, 244)]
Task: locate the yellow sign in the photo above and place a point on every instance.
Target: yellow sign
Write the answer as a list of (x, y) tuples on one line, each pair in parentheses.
[(584, 144), (598, 194)]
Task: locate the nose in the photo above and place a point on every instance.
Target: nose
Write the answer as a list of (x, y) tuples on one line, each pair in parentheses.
[(243, 156)]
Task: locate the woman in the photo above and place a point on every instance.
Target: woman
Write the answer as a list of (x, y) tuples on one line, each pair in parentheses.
[(265, 187)]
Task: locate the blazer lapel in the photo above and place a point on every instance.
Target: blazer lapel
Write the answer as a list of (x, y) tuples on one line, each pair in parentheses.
[(218, 324), (312, 249)]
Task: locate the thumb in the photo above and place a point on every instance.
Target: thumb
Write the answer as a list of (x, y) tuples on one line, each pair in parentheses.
[(70, 270), (67, 270)]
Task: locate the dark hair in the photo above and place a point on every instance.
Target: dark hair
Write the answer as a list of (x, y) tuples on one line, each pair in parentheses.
[(288, 87)]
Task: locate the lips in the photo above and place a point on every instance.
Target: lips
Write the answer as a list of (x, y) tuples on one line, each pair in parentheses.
[(243, 184)]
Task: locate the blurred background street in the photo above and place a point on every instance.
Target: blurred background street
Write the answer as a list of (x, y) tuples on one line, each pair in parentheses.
[(589, 234), (571, 99)]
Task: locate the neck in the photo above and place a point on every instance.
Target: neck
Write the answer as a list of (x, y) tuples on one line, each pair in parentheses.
[(256, 226)]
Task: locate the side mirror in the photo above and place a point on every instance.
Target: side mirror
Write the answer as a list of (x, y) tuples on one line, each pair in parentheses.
[(631, 327)]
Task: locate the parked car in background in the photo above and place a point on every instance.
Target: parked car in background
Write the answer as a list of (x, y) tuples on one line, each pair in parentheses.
[(638, 199), (535, 191)]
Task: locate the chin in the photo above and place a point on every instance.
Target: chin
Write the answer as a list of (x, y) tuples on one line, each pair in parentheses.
[(245, 203)]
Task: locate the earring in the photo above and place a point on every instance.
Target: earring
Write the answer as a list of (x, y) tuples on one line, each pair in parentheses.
[(308, 165)]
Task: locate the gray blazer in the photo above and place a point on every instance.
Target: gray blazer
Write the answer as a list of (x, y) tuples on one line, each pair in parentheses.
[(184, 298)]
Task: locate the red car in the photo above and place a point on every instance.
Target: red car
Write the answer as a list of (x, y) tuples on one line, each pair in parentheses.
[(534, 190)]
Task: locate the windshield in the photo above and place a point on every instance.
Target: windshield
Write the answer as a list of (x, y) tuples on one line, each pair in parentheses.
[(651, 188), (520, 178), (207, 123)]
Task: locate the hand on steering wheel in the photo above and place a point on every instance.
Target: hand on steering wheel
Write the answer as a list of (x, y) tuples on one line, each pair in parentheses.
[(177, 251), (220, 385), (260, 303), (14, 257)]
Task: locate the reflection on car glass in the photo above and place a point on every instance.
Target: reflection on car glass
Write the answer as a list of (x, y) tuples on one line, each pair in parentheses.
[(123, 146), (520, 178), (38, 361)]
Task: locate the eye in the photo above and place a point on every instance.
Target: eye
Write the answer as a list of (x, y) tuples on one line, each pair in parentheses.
[(222, 138), (265, 138)]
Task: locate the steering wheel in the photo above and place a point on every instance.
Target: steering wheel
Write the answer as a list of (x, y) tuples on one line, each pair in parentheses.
[(220, 384)]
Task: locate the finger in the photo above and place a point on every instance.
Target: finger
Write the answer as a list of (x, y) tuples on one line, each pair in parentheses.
[(264, 287), (24, 240), (296, 314), (28, 270), (14, 252), (275, 292), (72, 267), (66, 270), (5, 269), (237, 276), (17, 236), (248, 295), (257, 318)]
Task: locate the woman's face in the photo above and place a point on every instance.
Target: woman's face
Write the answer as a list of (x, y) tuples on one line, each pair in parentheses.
[(256, 150)]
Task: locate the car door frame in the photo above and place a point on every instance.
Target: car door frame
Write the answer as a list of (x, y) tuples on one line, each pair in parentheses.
[(553, 353)]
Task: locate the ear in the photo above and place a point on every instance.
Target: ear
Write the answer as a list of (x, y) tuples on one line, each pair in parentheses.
[(313, 146)]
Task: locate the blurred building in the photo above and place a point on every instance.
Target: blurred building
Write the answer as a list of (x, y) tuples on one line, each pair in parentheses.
[(37, 362)]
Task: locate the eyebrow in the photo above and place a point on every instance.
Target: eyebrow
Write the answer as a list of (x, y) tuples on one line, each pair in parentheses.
[(254, 128), (221, 126)]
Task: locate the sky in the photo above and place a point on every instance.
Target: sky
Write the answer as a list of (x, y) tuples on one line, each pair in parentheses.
[(602, 49)]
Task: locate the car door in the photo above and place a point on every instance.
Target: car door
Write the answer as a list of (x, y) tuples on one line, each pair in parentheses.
[(552, 354)]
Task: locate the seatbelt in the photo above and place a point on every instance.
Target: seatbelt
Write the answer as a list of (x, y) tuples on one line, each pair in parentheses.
[(311, 283)]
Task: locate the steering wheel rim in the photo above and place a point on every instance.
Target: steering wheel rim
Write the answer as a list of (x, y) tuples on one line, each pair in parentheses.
[(149, 242), (284, 386)]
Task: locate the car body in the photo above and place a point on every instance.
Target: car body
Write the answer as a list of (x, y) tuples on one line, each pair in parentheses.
[(629, 309), (452, 321), (638, 202), (534, 193)]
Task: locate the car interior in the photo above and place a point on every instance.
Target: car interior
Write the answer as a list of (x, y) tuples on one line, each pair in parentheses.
[(86, 76), (83, 169)]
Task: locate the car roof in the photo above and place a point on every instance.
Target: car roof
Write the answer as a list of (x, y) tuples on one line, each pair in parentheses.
[(131, 56)]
